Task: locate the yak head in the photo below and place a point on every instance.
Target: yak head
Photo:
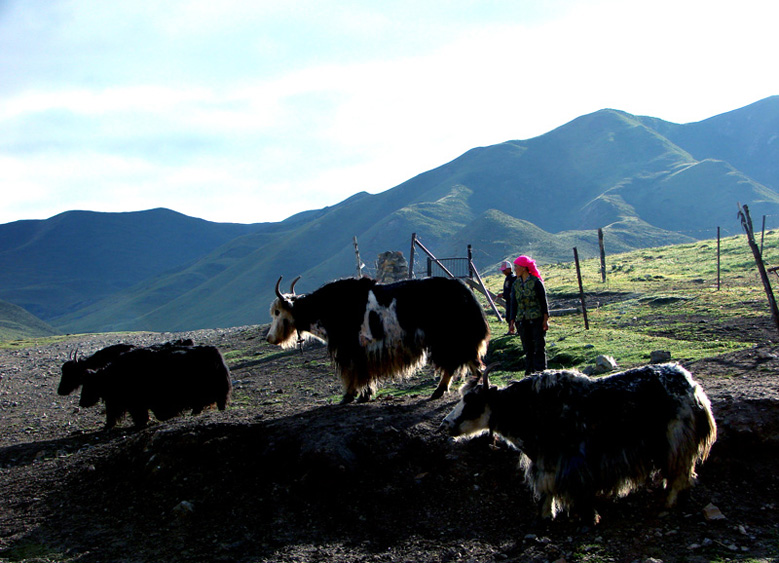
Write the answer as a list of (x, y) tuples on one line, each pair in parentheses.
[(282, 330), (72, 374), (471, 415), (92, 389)]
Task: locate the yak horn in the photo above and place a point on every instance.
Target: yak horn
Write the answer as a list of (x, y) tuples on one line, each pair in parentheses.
[(292, 285), (278, 292), (485, 374)]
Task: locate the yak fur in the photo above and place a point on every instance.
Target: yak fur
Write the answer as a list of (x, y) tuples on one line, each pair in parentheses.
[(167, 380), (378, 331), (74, 370), (581, 438)]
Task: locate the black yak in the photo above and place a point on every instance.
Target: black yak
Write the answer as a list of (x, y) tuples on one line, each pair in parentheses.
[(377, 331), (167, 380), (583, 437), (74, 369)]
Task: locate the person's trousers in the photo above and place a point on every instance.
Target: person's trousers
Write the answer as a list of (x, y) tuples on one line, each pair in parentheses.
[(533, 337)]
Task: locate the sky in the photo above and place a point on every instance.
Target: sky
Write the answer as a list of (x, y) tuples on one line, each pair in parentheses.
[(249, 111)]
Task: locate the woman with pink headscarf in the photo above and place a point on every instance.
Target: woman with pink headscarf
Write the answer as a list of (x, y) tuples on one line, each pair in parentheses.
[(530, 312)]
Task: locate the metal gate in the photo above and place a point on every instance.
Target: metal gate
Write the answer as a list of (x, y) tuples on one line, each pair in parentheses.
[(458, 267)]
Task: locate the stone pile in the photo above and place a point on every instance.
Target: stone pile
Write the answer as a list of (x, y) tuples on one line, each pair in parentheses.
[(391, 266)]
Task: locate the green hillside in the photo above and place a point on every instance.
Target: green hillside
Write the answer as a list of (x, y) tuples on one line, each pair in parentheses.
[(644, 181), (17, 324), (58, 265), (746, 138)]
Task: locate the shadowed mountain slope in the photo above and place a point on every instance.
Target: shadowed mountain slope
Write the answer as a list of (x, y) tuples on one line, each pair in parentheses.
[(644, 181)]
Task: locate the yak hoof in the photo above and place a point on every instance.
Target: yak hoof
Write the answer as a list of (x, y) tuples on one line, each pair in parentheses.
[(437, 394), (346, 399), (364, 397)]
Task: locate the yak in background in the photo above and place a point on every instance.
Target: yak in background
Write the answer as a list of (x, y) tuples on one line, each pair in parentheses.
[(166, 380)]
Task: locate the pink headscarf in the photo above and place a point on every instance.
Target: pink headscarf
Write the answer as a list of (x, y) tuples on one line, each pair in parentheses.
[(530, 264)]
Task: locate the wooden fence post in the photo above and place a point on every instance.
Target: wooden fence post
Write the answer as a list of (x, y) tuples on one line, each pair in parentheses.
[(762, 236), (746, 222), (602, 256), (359, 262), (719, 255), (581, 288), (411, 256)]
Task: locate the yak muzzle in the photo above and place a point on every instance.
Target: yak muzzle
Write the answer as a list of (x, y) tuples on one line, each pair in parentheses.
[(447, 427)]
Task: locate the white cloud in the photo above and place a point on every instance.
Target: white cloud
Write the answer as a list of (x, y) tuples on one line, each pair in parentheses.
[(216, 109)]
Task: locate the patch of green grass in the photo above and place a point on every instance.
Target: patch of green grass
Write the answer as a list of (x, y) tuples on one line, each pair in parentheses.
[(417, 386), (33, 342), (32, 551), (241, 358), (237, 356), (577, 348), (241, 400), (22, 343), (663, 298), (592, 553)]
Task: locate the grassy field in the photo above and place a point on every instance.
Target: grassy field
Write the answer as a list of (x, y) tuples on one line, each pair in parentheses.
[(666, 298)]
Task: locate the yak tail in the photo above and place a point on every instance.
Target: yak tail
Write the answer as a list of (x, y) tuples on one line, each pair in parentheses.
[(705, 425)]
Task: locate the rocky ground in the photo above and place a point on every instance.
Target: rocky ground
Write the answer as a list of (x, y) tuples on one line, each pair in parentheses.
[(287, 475)]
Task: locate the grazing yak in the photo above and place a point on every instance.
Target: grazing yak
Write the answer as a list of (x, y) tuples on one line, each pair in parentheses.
[(377, 331), (583, 437), (74, 368), (167, 380)]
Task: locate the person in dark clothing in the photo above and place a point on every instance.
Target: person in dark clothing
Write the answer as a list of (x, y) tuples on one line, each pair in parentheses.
[(530, 313), (508, 282)]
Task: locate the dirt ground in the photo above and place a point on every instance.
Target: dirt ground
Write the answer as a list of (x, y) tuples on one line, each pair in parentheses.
[(286, 475)]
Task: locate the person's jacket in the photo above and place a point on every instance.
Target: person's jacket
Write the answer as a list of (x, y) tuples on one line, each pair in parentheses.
[(508, 296), (528, 299)]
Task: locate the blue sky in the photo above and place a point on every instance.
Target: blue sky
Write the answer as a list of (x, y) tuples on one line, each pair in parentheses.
[(251, 111)]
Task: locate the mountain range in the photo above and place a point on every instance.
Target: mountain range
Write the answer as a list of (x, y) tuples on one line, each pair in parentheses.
[(644, 181)]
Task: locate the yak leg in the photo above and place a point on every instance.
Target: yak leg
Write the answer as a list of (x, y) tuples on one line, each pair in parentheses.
[(140, 417), (354, 382), (443, 385), (546, 507), (113, 414), (446, 378), (679, 474), (677, 483)]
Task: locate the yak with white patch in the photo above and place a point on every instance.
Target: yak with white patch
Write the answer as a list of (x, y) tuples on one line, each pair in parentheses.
[(581, 438), (166, 380), (378, 331)]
